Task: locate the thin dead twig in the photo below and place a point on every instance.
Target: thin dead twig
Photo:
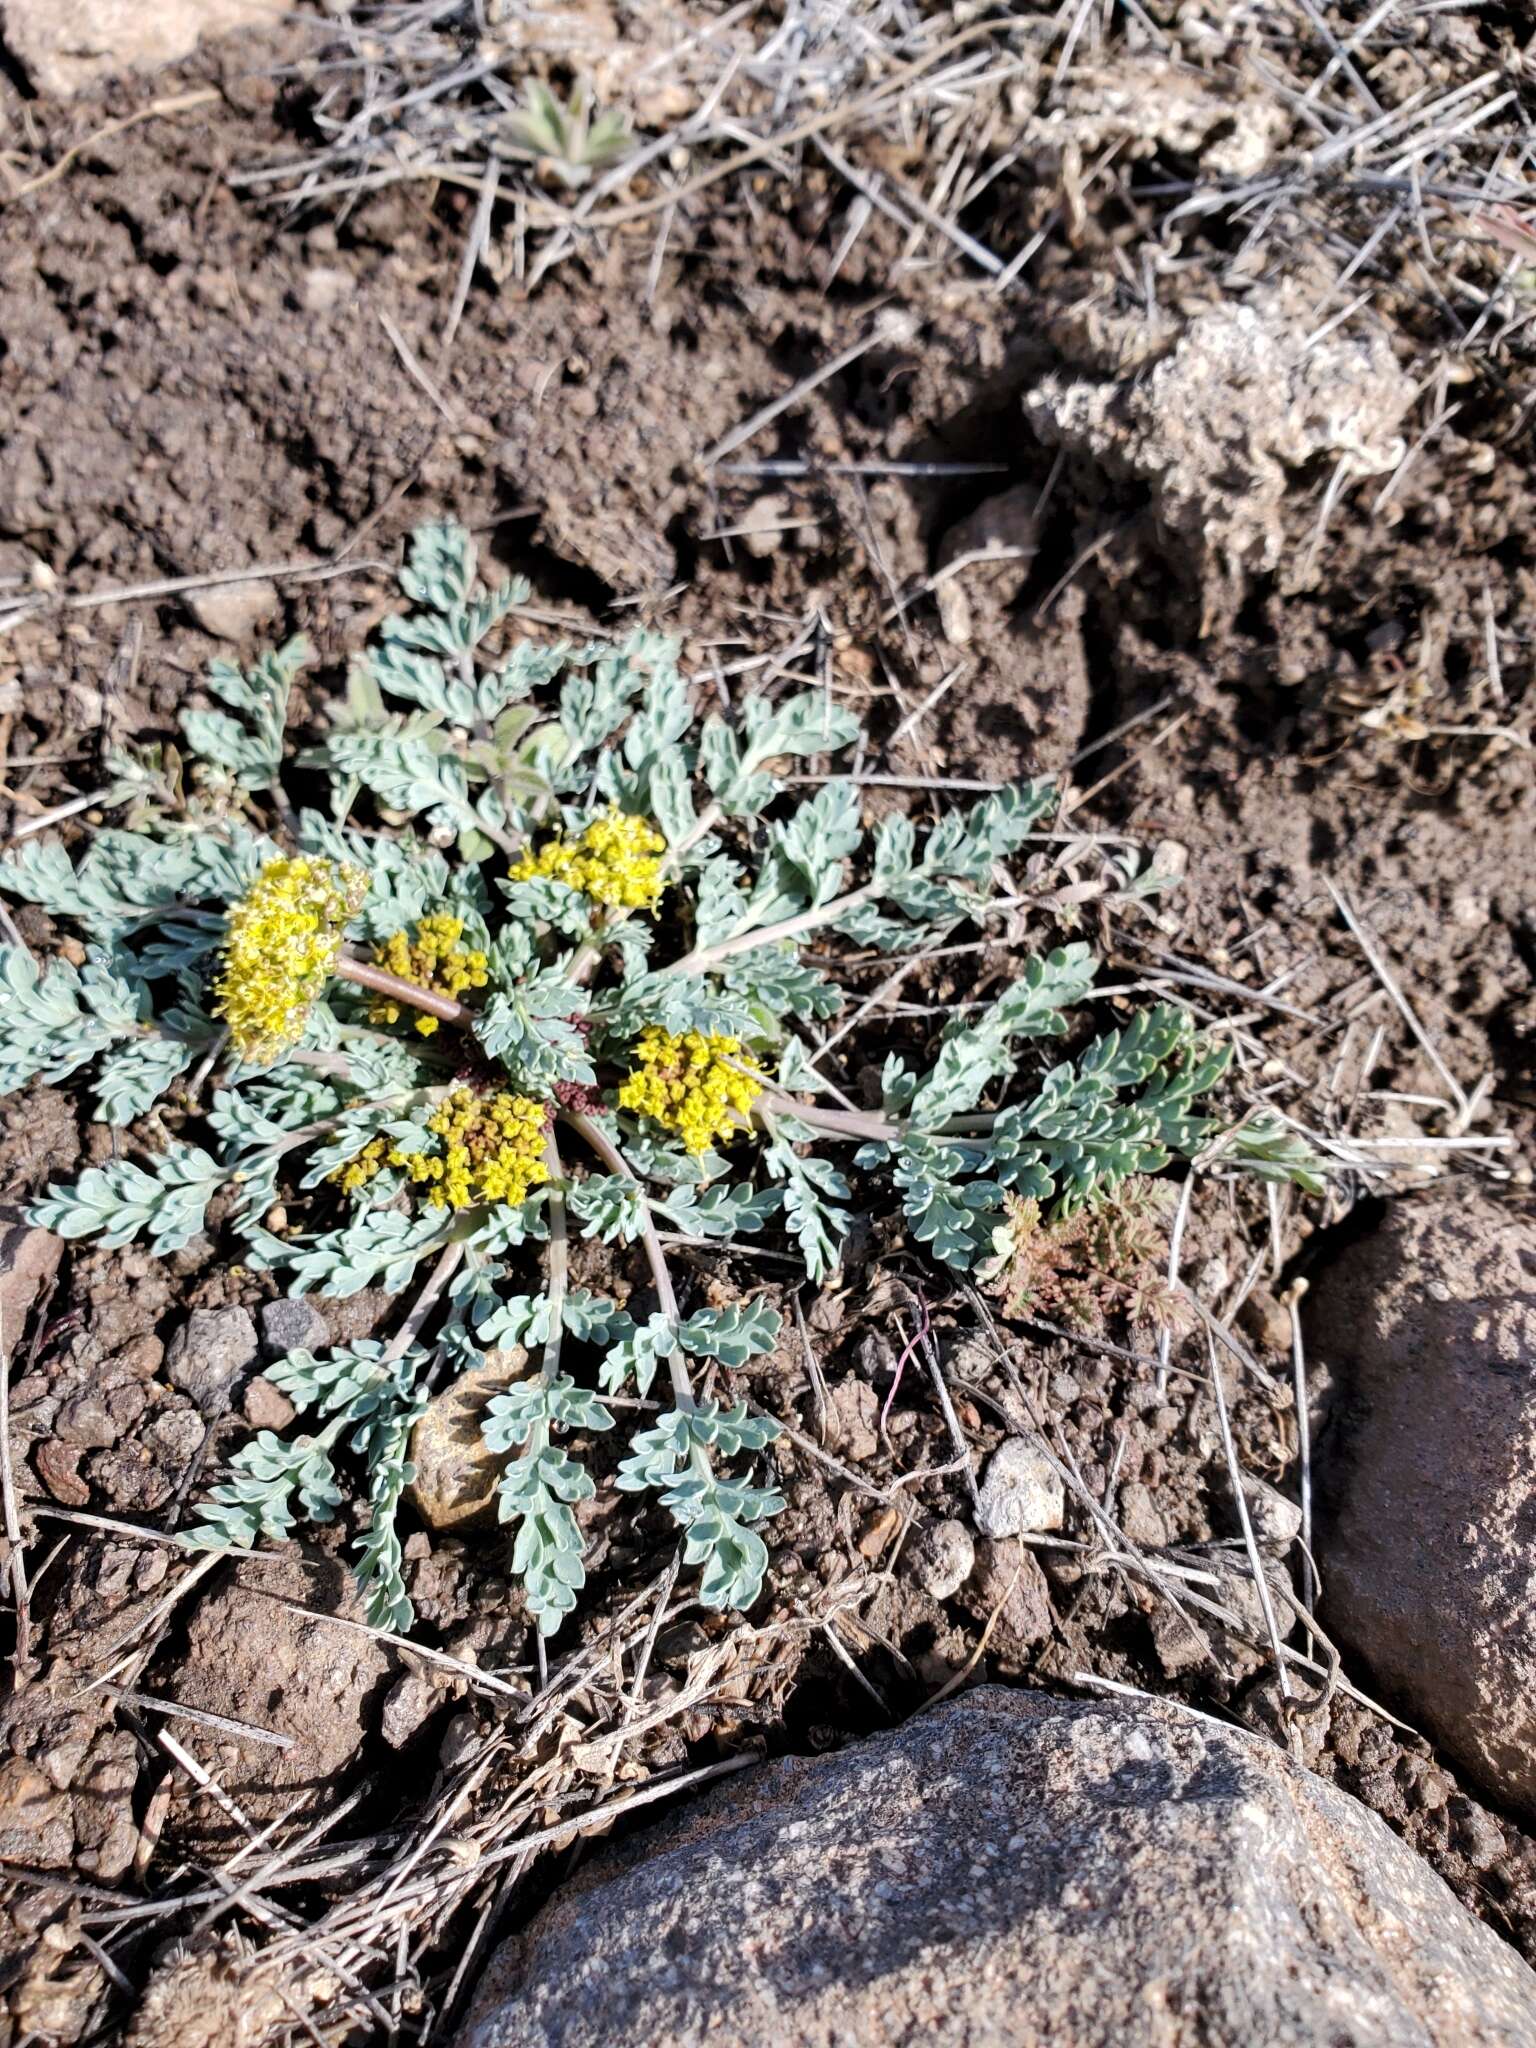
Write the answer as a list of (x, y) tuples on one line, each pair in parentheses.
[(175, 103)]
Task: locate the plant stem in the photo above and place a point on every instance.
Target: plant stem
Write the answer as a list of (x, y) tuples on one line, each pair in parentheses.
[(703, 957), (407, 1098), (447, 1265), (593, 1134), (448, 1008), (559, 1257), (857, 1123), (842, 1123)]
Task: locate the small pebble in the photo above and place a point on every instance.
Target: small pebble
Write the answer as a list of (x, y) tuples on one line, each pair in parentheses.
[(942, 1557), (1275, 1519), (292, 1324), (207, 1354), (1020, 1493)]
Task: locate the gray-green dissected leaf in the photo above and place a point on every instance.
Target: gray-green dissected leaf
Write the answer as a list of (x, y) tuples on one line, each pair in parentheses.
[(1271, 1150), (376, 1247), (978, 1053), (535, 1495), (674, 1458), (719, 903), (817, 1224), (720, 1211), (52, 1023), (383, 1442), (534, 1032), (734, 1334), (636, 1355), (778, 984), (511, 1418), (120, 1201), (352, 1382), (733, 761), (414, 773), (609, 1206), (955, 1217), (524, 1318), (130, 1080), (248, 747), (126, 876), (676, 1003), (274, 1485)]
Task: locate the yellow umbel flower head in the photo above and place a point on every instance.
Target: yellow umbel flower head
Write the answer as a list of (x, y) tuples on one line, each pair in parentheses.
[(491, 1149), (615, 861), (280, 950), (700, 1086), (432, 957)]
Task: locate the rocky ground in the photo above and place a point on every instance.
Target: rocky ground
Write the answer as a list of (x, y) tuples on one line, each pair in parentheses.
[(1207, 484)]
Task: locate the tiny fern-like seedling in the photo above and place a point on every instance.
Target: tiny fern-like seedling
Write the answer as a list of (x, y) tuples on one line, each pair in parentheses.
[(558, 961)]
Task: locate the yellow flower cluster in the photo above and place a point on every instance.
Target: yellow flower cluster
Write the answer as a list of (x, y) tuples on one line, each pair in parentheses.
[(616, 861), (431, 957), (361, 1169), (491, 1150), (280, 949), (702, 1087)]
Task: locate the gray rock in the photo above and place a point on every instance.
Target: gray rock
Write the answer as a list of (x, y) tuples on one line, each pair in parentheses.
[(235, 611), (1275, 1519), (408, 1705), (1021, 1493), (292, 1324), (1428, 1558), (942, 1557), (208, 1353), (1004, 1871)]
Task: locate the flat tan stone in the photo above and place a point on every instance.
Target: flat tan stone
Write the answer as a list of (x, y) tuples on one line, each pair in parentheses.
[(456, 1474)]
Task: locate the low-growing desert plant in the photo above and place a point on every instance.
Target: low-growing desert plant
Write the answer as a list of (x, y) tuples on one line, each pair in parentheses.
[(540, 966)]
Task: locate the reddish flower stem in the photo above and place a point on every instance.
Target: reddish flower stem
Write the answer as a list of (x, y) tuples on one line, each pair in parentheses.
[(448, 1008)]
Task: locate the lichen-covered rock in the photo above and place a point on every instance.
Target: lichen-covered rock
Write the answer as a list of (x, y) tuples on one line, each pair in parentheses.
[(1428, 1555), (1012, 1869), (941, 1558), (1021, 1492)]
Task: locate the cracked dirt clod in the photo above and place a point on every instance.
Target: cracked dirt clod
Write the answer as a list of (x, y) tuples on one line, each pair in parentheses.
[(209, 1352), (1214, 418), (65, 49)]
